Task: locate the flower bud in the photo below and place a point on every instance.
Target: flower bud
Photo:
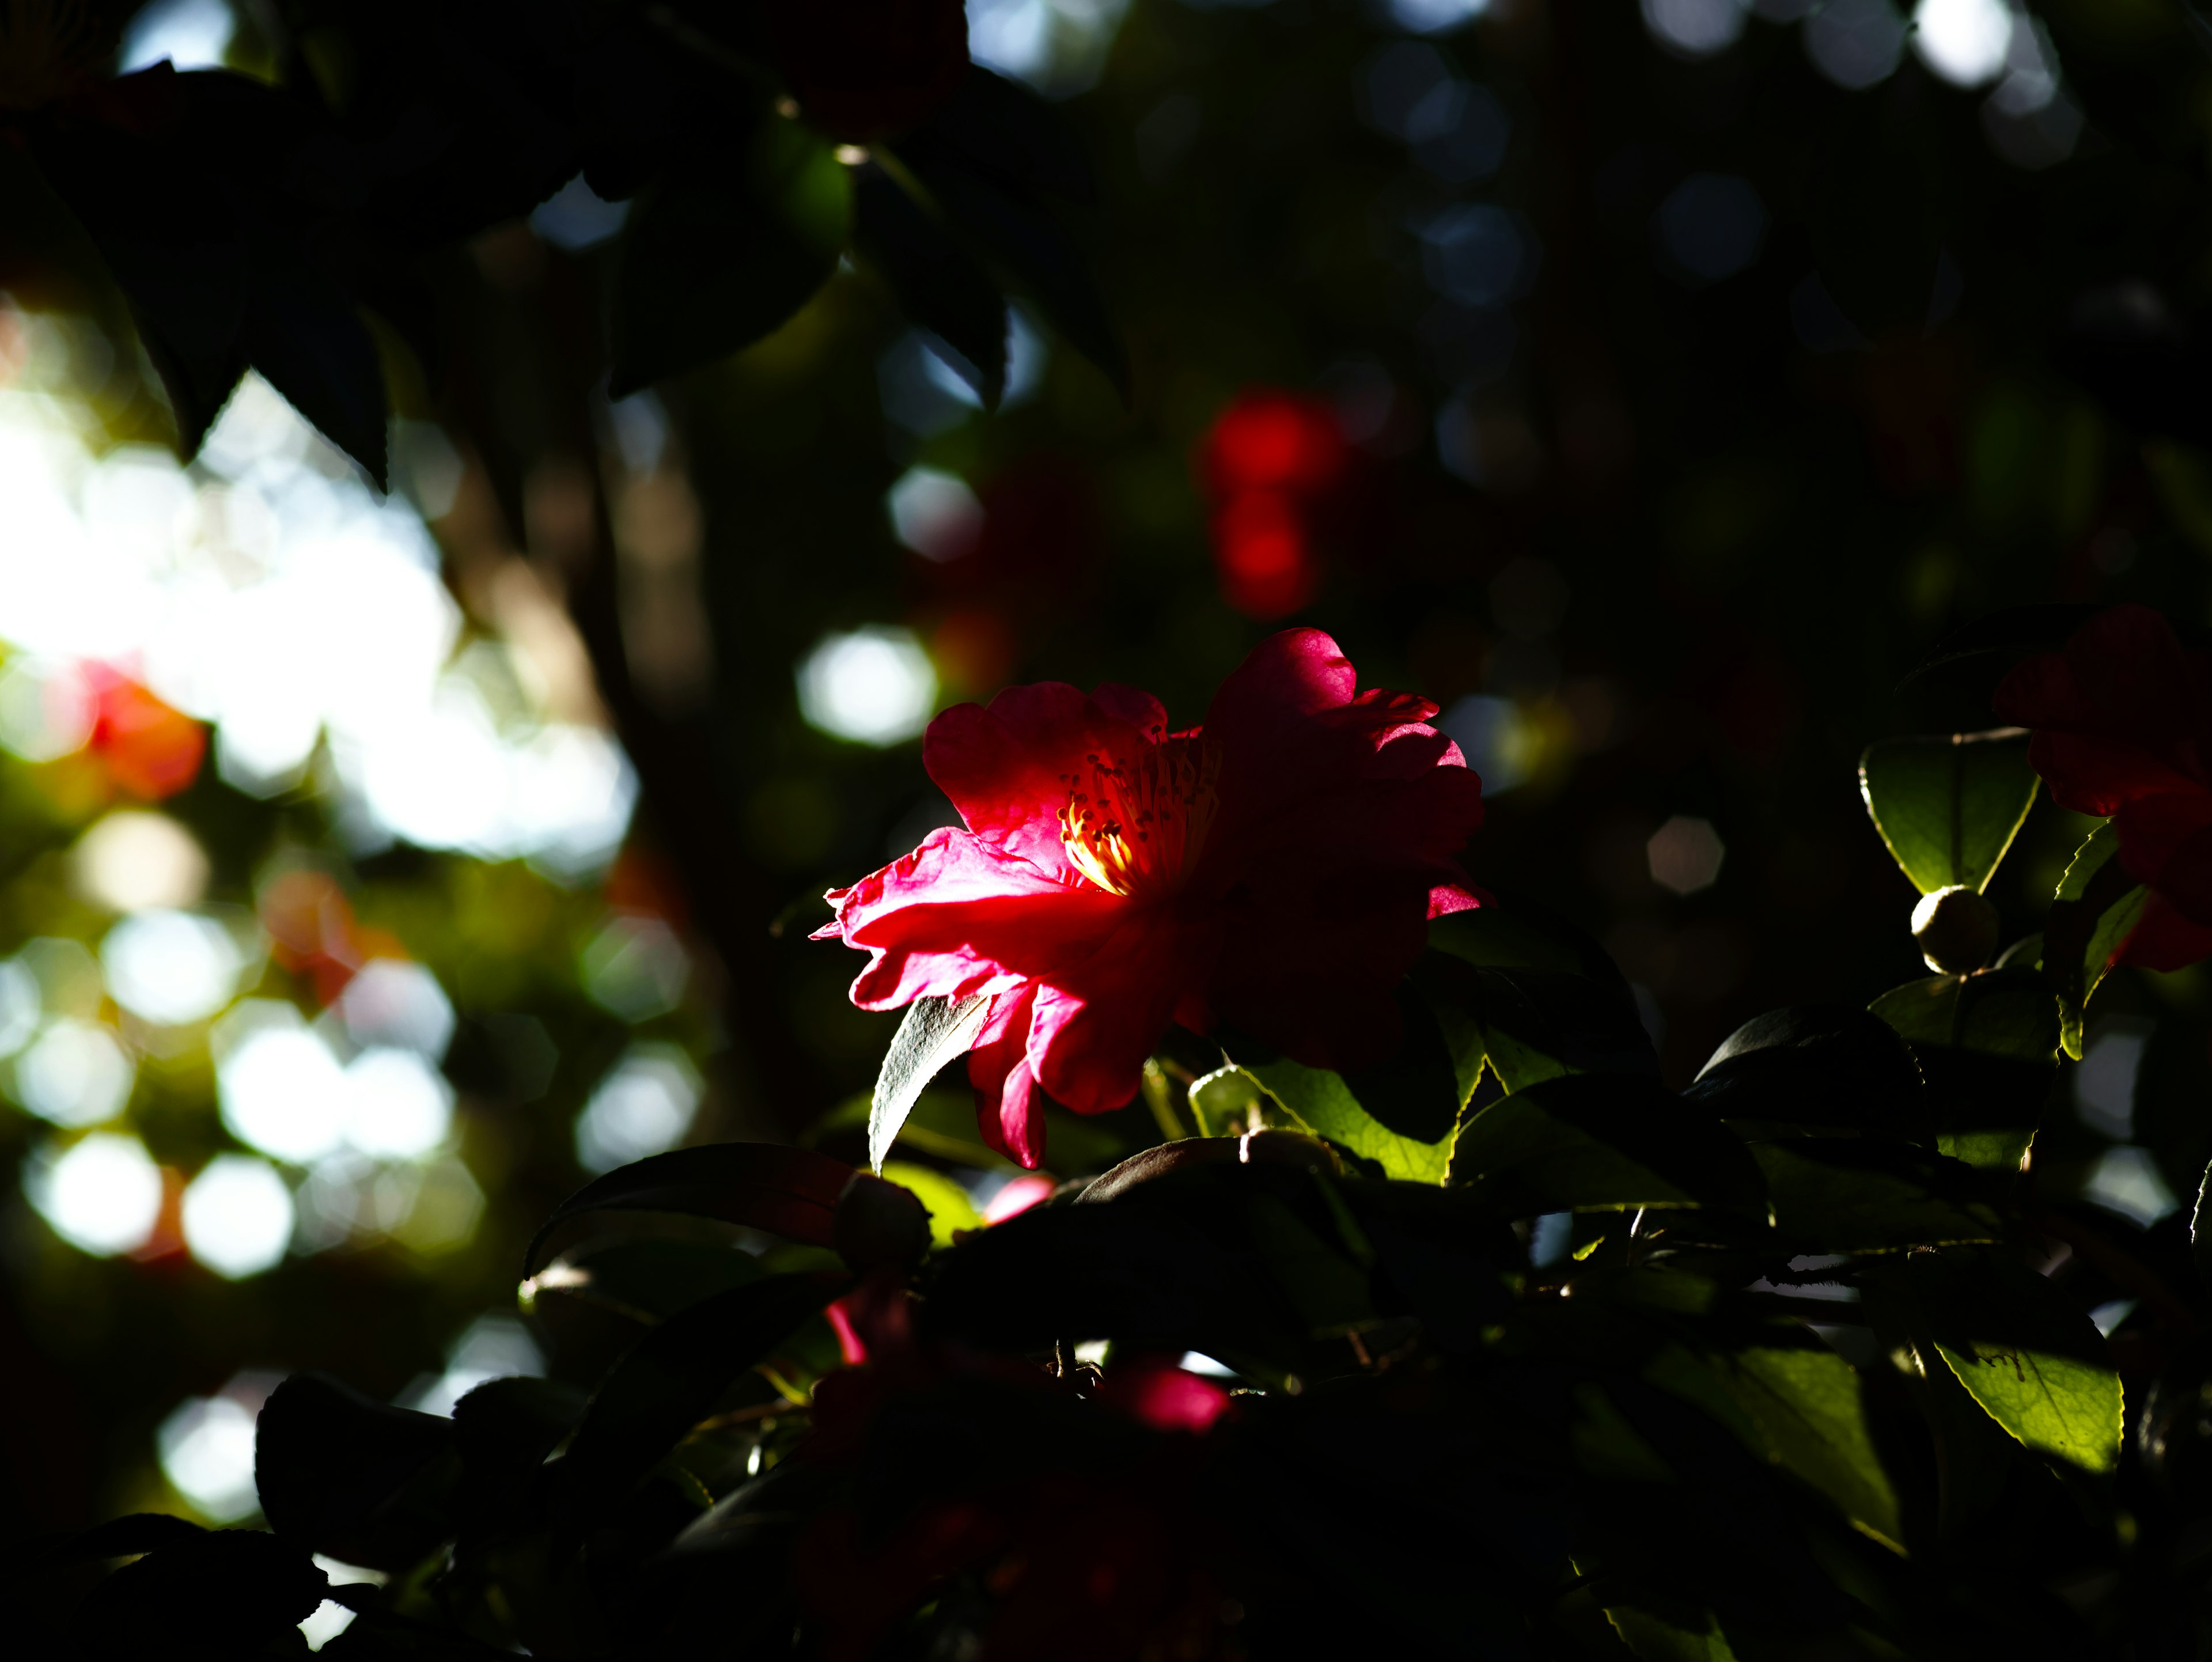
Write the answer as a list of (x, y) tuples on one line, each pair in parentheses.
[(1956, 929), (878, 1223)]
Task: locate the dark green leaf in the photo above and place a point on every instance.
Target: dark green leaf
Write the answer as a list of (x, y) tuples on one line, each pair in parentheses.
[(789, 1191), (1001, 127), (1604, 1141), (672, 1377), (1800, 1405), (1999, 1013), (119, 1537), (225, 1592), (644, 1280), (1652, 1639), (1949, 807), (714, 259), (504, 1429), (933, 1031), (939, 286), (1022, 235), (1531, 993), (2097, 908), (1857, 1195), (1815, 1064), (335, 1471)]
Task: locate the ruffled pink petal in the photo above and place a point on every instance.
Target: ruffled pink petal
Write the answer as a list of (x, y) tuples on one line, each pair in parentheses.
[(1095, 1022), (1009, 1107), (959, 916), (1142, 712), (1007, 768)]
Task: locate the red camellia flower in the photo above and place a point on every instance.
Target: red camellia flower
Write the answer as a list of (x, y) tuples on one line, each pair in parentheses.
[(1270, 458), (1275, 868), (2122, 728), (864, 68)]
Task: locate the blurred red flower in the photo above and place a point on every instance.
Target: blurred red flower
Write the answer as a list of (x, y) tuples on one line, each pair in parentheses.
[(1271, 461), (1275, 868), (150, 750), (2122, 718), (860, 69)]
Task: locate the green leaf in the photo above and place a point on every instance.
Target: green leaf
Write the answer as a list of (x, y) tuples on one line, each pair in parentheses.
[(939, 286), (1024, 237), (1859, 1195), (1323, 1103), (2096, 909), (933, 1032), (644, 1279), (2055, 1403), (671, 1378), (1652, 1640), (1815, 1064), (1604, 1141), (330, 1463), (1806, 1405), (1532, 994), (2004, 1012), (2035, 1362), (1949, 807), (945, 1200), (791, 1192), (718, 254)]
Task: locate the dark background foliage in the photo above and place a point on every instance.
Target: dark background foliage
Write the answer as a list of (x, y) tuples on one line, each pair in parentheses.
[(1682, 401)]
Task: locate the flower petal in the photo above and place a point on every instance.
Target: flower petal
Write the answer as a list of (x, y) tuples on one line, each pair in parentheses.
[(1009, 1107), (2120, 712), (2166, 939), (958, 916), (1095, 1022), (1007, 768), (2165, 841)]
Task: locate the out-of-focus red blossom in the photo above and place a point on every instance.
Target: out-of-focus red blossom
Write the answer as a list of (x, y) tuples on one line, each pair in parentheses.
[(1271, 462), (1078, 1565), (862, 69), (150, 749), (312, 931), (1275, 868), (2122, 718)]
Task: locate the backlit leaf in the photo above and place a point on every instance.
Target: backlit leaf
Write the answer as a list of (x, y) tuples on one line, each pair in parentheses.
[(934, 1032), (1949, 807)]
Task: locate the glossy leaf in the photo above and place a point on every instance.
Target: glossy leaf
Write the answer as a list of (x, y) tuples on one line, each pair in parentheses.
[(329, 1463), (1598, 1142), (1819, 1064), (2096, 909), (1807, 1406), (931, 1033), (1326, 1105), (788, 1191), (715, 257), (1856, 1195), (1949, 807), (939, 286), (2029, 1356), (1652, 1639), (671, 1378), (224, 1592), (2002, 1013), (1023, 236)]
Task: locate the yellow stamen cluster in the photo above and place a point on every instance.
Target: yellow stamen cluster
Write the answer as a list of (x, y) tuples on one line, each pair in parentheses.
[(1136, 827)]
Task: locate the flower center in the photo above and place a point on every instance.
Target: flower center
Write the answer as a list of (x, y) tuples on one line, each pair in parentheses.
[(1137, 828)]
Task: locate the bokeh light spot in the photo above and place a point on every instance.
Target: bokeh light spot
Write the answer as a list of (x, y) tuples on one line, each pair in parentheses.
[(75, 1073), (1711, 226), (875, 686), (935, 513), (102, 1195), (1696, 28), (398, 1105), (643, 1106), (1965, 41), (171, 967), (636, 968), (206, 1448), (281, 1090), (391, 1002), (238, 1217), (135, 859), (1856, 43), (1684, 855)]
